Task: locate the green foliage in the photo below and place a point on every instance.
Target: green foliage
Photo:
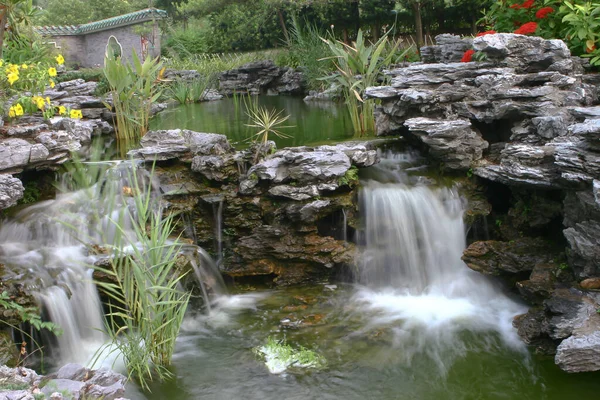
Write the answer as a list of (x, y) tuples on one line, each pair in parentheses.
[(133, 88), (28, 315), (576, 22), (31, 193), (266, 121), (350, 178), (193, 91), (280, 355), (147, 304), (359, 66), (73, 12), (306, 49)]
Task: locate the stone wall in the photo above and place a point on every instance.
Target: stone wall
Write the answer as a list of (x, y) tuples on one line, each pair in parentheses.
[(72, 48)]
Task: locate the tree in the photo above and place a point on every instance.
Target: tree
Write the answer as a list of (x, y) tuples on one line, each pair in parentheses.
[(73, 12)]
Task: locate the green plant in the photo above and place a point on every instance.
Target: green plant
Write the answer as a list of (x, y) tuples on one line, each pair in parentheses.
[(350, 178), (306, 50), (498, 222), (266, 121), (28, 315), (147, 304), (279, 356), (583, 28), (179, 91), (133, 88), (358, 67)]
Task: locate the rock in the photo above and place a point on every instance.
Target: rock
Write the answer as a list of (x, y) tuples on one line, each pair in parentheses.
[(454, 142), (211, 95), (8, 352), (302, 166), (507, 258), (584, 243), (73, 389), (16, 395), (183, 74), (74, 372), (448, 49), (579, 353), (216, 168), (19, 375), (540, 284), (295, 192), (262, 77), (14, 154), (586, 112), (590, 283), (525, 53), (25, 130), (180, 143), (309, 212), (11, 191)]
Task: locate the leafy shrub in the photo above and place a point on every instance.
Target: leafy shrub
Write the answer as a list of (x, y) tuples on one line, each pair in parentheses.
[(576, 22)]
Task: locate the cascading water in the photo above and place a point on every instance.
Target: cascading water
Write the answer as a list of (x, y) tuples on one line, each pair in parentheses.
[(44, 246), (415, 281)]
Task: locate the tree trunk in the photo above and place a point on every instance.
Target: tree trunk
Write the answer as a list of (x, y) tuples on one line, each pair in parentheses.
[(345, 36), (3, 17), (283, 28), (376, 31), (474, 25), (416, 5)]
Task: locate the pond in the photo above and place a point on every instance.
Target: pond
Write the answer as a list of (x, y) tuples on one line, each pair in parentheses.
[(365, 354), (309, 123)]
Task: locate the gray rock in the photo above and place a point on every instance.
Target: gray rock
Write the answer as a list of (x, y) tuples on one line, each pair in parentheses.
[(261, 77), (183, 74), (59, 141), (448, 49), (453, 142), (525, 53), (73, 388), (74, 372), (16, 395), (11, 190), (579, 353), (216, 168), (180, 143), (26, 130), (211, 95), (14, 154), (586, 112), (295, 192), (308, 212), (584, 247)]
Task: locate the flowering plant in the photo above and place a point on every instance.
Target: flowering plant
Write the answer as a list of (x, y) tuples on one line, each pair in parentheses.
[(576, 22), (29, 82)]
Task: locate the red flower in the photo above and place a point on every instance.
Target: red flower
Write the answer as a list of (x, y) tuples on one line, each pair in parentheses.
[(486, 33), (527, 28), (515, 6), (527, 4), (467, 56), (543, 12), (590, 49)]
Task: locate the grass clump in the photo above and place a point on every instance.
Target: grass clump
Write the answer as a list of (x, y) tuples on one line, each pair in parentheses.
[(279, 356)]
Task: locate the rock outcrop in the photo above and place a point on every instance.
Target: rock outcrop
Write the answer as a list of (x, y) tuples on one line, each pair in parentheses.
[(70, 382), (526, 119), (262, 77), (280, 210)]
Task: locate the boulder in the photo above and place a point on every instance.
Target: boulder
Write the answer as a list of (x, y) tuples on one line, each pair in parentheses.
[(262, 77), (453, 142), (525, 53), (448, 49), (180, 144), (11, 191), (507, 258), (579, 353)]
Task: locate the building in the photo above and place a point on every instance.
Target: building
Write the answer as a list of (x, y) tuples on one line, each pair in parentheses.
[(85, 45)]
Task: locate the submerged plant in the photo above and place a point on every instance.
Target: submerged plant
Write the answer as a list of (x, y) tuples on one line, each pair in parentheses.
[(279, 356)]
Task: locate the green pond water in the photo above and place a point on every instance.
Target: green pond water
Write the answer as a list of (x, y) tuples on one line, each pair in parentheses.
[(215, 358), (310, 123)]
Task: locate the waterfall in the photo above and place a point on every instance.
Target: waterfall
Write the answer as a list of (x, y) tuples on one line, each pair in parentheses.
[(414, 281)]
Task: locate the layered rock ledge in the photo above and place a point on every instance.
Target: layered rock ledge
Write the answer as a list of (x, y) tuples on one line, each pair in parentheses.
[(526, 123)]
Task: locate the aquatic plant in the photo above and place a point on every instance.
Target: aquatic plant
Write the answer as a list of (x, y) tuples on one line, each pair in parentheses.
[(358, 67), (279, 356), (267, 121), (134, 88)]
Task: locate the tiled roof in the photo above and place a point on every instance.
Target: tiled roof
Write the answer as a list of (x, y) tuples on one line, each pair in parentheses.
[(122, 20)]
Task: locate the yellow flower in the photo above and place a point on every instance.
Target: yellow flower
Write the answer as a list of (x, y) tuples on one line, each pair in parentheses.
[(11, 112), (12, 77), (18, 110), (76, 114), (13, 68), (39, 102), (24, 66), (1, 62), (48, 100), (62, 110), (52, 71), (52, 84), (60, 59)]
